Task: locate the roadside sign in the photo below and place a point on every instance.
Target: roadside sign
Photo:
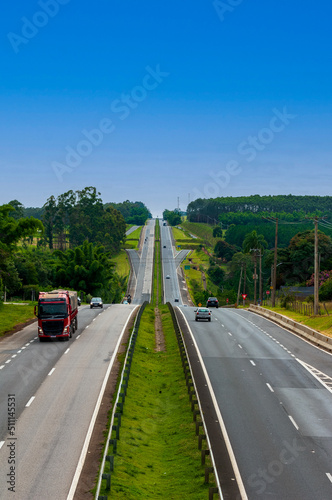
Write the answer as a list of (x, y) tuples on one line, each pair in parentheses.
[(267, 292), (244, 296), (187, 267), (199, 305), (227, 301)]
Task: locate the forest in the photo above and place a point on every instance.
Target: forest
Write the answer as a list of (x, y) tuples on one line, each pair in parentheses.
[(69, 244)]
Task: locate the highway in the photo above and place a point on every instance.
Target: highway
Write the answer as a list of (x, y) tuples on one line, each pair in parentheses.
[(171, 259), (273, 392), (55, 386)]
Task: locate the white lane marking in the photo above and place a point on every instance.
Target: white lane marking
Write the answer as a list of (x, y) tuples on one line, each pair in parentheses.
[(1, 444), (229, 333), (94, 319), (8, 361), (67, 350), (222, 325), (23, 348), (220, 419), (35, 338), (18, 352), (51, 371), (87, 326), (94, 416), (329, 476), (270, 387), (14, 355), (324, 379), (293, 422), (252, 362), (30, 401), (240, 346), (78, 336), (2, 366)]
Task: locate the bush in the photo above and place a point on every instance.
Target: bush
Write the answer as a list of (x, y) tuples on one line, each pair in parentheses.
[(325, 291)]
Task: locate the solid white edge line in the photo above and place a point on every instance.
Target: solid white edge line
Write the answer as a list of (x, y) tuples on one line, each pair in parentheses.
[(220, 419), (293, 422), (67, 350), (51, 371), (30, 401), (329, 476), (94, 416)]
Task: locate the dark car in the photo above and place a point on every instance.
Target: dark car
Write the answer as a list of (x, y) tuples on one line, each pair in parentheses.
[(212, 302), (96, 302)]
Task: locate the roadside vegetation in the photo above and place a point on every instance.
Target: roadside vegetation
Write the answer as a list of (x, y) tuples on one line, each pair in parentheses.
[(132, 239), (12, 316)]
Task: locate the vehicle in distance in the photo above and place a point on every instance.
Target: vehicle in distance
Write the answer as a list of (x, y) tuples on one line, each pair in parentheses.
[(168, 277), (202, 313), (125, 302), (96, 302), (212, 302), (164, 246)]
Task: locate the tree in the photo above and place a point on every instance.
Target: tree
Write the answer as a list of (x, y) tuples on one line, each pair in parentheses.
[(173, 218), (217, 232), (11, 232), (255, 243), (224, 250)]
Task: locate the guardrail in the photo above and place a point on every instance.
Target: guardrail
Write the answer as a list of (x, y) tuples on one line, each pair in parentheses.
[(118, 410), (304, 331), (196, 408)]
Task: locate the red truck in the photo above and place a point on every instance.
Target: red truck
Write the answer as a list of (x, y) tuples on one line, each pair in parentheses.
[(57, 314)]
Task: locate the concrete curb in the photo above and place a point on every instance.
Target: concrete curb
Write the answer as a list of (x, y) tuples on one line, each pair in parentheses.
[(309, 334)]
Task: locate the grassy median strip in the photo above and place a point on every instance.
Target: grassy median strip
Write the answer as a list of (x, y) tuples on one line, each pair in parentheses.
[(157, 454)]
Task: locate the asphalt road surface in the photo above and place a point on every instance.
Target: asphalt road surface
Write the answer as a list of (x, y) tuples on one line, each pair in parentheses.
[(55, 387), (273, 392)]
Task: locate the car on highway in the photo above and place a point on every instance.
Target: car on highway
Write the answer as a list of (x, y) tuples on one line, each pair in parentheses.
[(164, 246), (202, 313), (168, 277), (96, 302), (212, 302)]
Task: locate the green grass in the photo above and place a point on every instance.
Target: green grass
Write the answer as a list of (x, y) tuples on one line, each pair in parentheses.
[(133, 238), (12, 315), (203, 231), (321, 323), (121, 262), (157, 453)]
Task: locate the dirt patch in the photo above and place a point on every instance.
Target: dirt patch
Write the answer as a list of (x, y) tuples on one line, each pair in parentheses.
[(89, 475), (159, 333)]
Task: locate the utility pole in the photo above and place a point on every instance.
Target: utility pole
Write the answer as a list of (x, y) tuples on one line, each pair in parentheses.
[(239, 288), (316, 269), (274, 276)]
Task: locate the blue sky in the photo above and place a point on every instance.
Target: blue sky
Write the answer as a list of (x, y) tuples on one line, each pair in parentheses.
[(152, 101)]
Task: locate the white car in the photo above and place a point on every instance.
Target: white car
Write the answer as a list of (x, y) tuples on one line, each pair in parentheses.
[(202, 313)]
